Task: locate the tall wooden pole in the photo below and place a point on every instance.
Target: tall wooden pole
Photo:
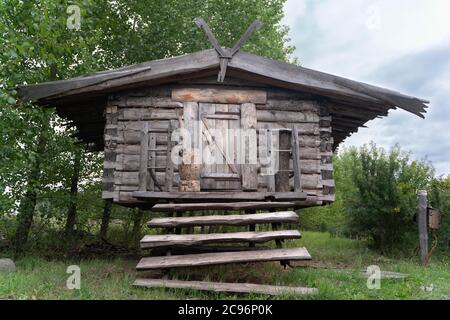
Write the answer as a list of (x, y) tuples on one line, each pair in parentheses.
[(423, 228)]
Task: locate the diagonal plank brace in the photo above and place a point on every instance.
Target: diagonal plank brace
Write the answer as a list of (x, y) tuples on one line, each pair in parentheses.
[(225, 54)]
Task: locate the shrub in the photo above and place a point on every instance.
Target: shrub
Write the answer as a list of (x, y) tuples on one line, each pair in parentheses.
[(381, 198), (439, 197)]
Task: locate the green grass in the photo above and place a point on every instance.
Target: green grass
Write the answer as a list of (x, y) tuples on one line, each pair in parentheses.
[(335, 271)]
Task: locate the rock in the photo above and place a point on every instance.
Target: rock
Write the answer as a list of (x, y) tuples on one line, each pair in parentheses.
[(7, 265)]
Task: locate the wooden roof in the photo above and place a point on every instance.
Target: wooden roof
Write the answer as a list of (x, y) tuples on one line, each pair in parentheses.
[(353, 103)]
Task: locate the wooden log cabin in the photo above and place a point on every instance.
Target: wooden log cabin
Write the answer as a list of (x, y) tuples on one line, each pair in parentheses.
[(130, 114), (133, 115)]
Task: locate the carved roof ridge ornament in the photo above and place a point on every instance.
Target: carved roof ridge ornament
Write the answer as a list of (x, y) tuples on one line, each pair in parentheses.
[(225, 54)]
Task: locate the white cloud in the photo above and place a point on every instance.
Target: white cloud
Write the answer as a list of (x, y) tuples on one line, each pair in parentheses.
[(402, 44)]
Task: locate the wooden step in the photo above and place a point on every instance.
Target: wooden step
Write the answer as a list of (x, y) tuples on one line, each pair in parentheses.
[(193, 260), (225, 220), (153, 241), (223, 287), (219, 196), (181, 207), (181, 250)]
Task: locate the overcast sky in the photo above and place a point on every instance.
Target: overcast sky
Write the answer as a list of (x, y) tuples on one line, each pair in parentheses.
[(403, 45)]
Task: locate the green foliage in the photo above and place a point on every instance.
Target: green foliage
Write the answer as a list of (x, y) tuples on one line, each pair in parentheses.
[(382, 202), (439, 198), (36, 150), (338, 262), (376, 196)]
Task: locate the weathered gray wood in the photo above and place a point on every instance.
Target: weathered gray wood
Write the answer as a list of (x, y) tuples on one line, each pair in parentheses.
[(249, 170), (270, 152), (148, 114), (209, 95), (223, 287), (287, 116), (221, 206), (423, 227), (148, 101), (153, 241), (228, 195), (221, 176), (225, 220), (296, 161), (221, 125), (193, 260), (169, 166), (219, 116), (189, 169), (143, 166), (151, 166), (284, 155)]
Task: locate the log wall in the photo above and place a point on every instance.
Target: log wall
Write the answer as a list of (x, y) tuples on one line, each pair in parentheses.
[(127, 112)]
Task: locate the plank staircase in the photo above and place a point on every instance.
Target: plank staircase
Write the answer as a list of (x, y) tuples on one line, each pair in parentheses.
[(175, 249)]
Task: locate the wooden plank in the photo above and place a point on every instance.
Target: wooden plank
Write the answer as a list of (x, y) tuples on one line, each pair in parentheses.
[(170, 207), (284, 156), (287, 116), (296, 161), (249, 170), (232, 152), (225, 220), (219, 116), (225, 195), (423, 227), (152, 162), (210, 95), (221, 127), (270, 154), (222, 176), (170, 165), (207, 148), (153, 241), (143, 164), (148, 114), (194, 260), (223, 287), (189, 170)]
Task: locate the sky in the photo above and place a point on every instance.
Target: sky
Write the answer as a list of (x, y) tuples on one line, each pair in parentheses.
[(402, 45)]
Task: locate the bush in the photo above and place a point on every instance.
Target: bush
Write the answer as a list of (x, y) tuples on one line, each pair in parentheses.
[(381, 199), (439, 197)]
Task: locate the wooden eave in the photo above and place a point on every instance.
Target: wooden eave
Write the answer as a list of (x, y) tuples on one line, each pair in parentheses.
[(353, 103)]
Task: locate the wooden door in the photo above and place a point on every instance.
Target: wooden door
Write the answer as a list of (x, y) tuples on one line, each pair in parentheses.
[(219, 124)]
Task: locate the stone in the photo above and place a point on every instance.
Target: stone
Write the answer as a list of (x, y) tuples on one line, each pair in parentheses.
[(7, 265)]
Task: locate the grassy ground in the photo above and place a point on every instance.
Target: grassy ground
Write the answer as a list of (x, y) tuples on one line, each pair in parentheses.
[(335, 271)]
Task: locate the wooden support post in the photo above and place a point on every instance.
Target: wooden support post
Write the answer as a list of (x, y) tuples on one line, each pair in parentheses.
[(269, 150), (251, 227), (178, 214), (282, 177), (423, 228), (278, 242), (296, 160), (249, 170), (143, 166)]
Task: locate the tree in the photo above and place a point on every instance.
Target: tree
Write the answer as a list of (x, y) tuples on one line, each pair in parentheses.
[(382, 202), (439, 197), (37, 46)]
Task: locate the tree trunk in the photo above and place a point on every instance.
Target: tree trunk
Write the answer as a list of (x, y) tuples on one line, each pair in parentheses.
[(136, 233), (72, 208), (107, 205), (28, 203)]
